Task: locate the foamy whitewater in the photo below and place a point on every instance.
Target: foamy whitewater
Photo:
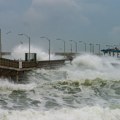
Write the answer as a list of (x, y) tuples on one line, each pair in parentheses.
[(89, 89)]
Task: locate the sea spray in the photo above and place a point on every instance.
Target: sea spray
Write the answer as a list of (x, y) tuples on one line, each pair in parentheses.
[(19, 51), (92, 67), (6, 85), (86, 113)]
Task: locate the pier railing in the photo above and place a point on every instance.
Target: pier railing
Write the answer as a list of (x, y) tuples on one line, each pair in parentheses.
[(50, 64), (9, 63), (32, 64), (27, 64)]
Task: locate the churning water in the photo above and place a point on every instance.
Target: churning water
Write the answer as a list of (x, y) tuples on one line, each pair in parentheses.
[(89, 89)]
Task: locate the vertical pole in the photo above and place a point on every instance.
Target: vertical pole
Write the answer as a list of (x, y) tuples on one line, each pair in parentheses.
[(85, 46), (0, 45), (49, 54), (49, 50), (99, 49), (64, 49), (71, 47), (93, 48), (17, 77), (90, 47), (29, 48), (76, 46), (80, 42)]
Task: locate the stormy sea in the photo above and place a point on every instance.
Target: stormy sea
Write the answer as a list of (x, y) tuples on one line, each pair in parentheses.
[(87, 89)]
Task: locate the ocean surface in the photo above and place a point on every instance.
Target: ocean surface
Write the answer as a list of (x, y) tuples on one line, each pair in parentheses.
[(87, 89)]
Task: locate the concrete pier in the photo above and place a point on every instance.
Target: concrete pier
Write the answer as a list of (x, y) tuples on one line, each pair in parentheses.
[(13, 69)]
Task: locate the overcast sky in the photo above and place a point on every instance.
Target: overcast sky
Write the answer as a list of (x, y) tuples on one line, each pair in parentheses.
[(89, 21)]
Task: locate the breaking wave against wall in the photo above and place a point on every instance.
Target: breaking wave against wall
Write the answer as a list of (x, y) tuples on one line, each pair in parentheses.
[(19, 52)]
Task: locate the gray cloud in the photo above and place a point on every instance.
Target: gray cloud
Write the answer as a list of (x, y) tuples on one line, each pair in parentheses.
[(87, 20), (115, 33), (45, 10)]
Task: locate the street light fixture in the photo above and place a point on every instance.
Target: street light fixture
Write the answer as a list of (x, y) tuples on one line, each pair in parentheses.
[(108, 46), (64, 44), (28, 41), (49, 44), (8, 32)]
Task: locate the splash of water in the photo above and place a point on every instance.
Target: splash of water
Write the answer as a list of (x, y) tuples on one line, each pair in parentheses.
[(89, 66), (86, 113), (19, 53), (6, 85)]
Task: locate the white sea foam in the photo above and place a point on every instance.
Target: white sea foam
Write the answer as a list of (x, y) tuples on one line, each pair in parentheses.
[(89, 66), (19, 53), (86, 113), (5, 85)]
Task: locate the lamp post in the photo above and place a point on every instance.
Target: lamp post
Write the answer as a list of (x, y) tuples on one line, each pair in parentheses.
[(98, 48), (90, 47), (70, 46), (0, 45), (80, 41), (93, 48), (75, 45), (85, 46), (28, 41), (64, 44), (49, 44)]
